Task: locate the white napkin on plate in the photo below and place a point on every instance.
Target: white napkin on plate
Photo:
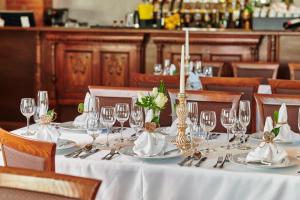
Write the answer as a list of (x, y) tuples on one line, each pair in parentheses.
[(150, 144), (268, 153), (80, 120), (47, 133), (172, 130), (285, 132)]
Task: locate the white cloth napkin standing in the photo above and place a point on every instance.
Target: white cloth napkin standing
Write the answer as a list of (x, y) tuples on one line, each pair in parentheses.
[(150, 144), (267, 152), (81, 119), (285, 132), (47, 133)]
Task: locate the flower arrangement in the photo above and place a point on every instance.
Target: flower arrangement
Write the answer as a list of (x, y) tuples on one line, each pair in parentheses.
[(153, 102)]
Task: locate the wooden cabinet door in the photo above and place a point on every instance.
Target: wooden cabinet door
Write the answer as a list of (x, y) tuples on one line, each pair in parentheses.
[(117, 61), (76, 66)]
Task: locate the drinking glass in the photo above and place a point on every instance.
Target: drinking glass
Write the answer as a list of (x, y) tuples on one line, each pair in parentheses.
[(157, 69), (27, 108), (93, 128), (299, 119), (108, 119), (193, 115), (93, 107), (237, 130), (208, 122), (136, 111), (136, 123), (42, 102), (122, 115), (228, 116), (244, 117)]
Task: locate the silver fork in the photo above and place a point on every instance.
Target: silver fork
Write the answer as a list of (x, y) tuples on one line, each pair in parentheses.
[(219, 161), (112, 151)]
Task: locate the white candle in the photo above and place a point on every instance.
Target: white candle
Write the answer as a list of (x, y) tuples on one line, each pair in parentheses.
[(187, 44), (182, 74)]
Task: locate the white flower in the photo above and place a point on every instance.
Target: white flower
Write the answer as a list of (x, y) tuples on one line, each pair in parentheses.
[(161, 100), (140, 96), (154, 92)]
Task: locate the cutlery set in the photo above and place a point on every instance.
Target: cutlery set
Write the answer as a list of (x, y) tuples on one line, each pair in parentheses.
[(221, 161), (89, 150), (188, 161), (111, 154)]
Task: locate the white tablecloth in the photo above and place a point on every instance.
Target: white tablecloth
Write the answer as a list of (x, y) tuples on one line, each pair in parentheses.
[(133, 179)]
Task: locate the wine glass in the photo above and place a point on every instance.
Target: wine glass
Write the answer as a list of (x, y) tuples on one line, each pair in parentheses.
[(136, 123), (27, 108), (42, 103), (157, 69), (108, 119), (244, 117), (228, 116), (237, 129), (136, 110), (93, 128), (122, 115), (193, 115), (208, 122)]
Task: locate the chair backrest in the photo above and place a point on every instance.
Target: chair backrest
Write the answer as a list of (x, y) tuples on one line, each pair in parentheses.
[(150, 80), (247, 86), (211, 101), (294, 71), (26, 153), (19, 184), (268, 103), (109, 96), (263, 70), (216, 66), (284, 86)]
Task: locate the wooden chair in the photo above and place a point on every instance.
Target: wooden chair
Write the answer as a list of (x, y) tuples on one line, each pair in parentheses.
[(109, 96), (216, 66), (212, 101), (294, 71), (150, 80), (268, 103), (284, 86), (20, 184), (25, 153), (263, 70), (247, 86)]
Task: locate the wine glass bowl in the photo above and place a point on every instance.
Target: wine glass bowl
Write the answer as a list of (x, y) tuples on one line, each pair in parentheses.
[(208, 121), (228, 117)]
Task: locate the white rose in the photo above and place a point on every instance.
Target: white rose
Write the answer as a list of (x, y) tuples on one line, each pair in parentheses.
[(161, 100), (140, 96), (154, 92)]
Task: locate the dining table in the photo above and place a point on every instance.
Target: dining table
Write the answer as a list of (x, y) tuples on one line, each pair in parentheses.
[(128, 177)]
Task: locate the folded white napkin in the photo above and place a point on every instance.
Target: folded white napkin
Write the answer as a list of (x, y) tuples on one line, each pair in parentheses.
[(150, 144), (47, 133), (285, 132), (172, 130), (80, 120), (267, 152), (268, 124), (193, 82)]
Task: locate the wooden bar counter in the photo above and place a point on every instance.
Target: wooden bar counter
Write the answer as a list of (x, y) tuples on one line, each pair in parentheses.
[(64, 61)]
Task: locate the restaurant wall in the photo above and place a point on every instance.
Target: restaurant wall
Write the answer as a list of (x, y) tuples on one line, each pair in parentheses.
[(102, 12), (2, 4)]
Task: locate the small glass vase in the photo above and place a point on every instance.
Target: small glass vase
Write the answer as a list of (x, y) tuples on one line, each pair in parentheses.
[(152, 115)]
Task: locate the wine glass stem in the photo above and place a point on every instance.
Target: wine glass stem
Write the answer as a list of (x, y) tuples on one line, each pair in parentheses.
[(108, 130), (207, 140), (28, 118), (228, 142), (244, 139), (122, 124)]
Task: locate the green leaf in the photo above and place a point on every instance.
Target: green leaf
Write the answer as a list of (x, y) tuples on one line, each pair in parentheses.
[(162, 88), (80, 108), (155, 120), (50, 112), (275, 131), (276, 113)]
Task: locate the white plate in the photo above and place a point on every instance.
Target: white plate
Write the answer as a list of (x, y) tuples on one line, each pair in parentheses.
[(69, 126), (65, 144), (259, 136), (127, 151), (240, 159)]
